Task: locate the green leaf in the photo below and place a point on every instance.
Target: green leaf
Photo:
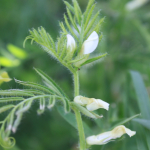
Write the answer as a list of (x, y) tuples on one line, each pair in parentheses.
[(15, 93), (72, 20), (16, 51), (8, 62), (78, 12), (92, 22), (33, 91), (36, 86), (5, 108), (93, 59), (66, 104), (144, 122), (70, 28), (88, 16), (69, 6), (63, 27), (85, 111), (125, 121), (51, 102), (50, 82), (11, 99), (90, 3), (142, 95), (98, 26)]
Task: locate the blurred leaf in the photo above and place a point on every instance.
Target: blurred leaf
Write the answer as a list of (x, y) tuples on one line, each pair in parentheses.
[(4, 77), (126, 120), (142, 95), (144, 122), (9, 63), (16, 51), (5, 108)]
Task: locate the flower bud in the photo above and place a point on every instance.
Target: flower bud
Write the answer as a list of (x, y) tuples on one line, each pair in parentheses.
[(71, 44)]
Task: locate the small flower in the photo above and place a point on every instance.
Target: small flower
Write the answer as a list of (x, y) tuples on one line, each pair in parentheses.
[(4, 77), (106, 137), (71, 44), (91, 103), (134, 4), (90, 44)]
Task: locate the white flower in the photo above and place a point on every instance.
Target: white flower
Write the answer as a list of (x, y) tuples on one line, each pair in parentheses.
[(91, 43), (88, 46), (71, 44), (91, 103), (134, 4), (106, 137)]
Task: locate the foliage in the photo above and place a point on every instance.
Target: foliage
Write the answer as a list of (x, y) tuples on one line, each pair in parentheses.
[(109, 80)]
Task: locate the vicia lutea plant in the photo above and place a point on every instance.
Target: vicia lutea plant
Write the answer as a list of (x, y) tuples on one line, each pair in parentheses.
[(79, 37)]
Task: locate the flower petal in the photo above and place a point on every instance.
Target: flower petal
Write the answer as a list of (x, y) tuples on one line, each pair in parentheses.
[(96, 104), (106, 137), (91, 43), (91, 103), (81, 100), (70, 42)]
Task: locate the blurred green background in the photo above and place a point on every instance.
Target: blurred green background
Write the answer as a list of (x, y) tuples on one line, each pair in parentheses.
[(122, 78)]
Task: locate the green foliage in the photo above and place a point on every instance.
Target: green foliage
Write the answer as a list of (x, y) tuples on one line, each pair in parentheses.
[(122, 32), (79, 25), (45, 94)]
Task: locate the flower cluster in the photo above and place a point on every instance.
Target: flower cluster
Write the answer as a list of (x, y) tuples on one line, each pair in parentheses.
[(93, 104)]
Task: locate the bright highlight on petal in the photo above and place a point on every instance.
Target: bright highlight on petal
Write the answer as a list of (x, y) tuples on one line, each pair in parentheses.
[(71, 44), (91, 103), (106, 137), (91, 43), (134, 4)]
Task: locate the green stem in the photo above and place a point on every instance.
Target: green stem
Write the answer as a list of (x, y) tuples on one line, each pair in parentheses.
[(78, 115), (76, 83)]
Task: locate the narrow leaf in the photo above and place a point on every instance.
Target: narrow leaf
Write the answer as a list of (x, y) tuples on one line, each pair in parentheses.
[(142, 95), (69, 6), (50, 81), (11, 99), (5, 108), (36, 86), (91, 24), (70, 28), (126, 120), (93, 59), (78, 12), (15, 93), (72, 20), (144, 122)]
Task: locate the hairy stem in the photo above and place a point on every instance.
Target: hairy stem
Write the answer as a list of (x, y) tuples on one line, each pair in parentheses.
[(78, 115)]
